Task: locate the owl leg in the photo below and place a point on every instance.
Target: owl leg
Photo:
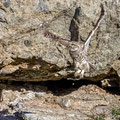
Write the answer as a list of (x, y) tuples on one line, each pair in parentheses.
[(79, 73), (82, 73)]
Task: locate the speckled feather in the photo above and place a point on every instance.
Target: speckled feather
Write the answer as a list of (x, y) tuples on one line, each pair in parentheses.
[(78, 51)]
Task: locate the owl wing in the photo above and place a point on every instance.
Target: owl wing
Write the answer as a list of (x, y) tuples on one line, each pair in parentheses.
[(94, 29), (52, 36)]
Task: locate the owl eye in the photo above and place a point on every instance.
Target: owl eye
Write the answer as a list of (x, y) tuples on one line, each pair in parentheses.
[(71, 45)]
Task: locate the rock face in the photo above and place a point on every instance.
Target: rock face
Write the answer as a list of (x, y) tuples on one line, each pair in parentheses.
[(26, 55), (34, 102)]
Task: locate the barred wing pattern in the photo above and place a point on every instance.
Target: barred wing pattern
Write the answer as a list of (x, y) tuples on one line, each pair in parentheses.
[(94, 29), (52, 36), (78, 51)]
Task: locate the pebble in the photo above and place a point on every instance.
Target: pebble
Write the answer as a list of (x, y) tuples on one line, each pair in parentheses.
[(63, 102), (7, 4), (39, 94), (30, 95)]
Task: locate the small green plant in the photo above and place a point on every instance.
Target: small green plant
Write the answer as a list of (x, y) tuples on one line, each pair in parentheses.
[(116, 113), (98, 117)]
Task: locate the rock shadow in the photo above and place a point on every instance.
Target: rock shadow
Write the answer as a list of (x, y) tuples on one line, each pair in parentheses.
[(58, 88), (5, 115)]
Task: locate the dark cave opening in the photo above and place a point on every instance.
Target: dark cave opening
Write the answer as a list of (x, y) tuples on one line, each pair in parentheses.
[(58, 87)]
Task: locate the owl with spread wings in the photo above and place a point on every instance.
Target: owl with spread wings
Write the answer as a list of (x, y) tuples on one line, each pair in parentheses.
[(78, 51)]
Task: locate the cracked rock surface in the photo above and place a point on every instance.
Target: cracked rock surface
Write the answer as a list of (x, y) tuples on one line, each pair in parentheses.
[(26, 55), (30, 101)]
